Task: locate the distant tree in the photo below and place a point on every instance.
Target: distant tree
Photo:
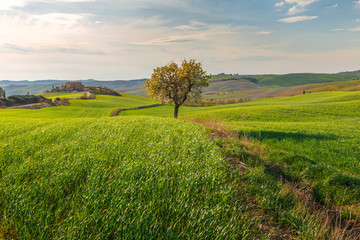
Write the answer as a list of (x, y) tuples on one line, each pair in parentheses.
[(176, 85), (2, 93)]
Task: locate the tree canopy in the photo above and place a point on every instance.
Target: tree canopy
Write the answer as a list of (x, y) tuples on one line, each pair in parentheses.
[(177, 84)]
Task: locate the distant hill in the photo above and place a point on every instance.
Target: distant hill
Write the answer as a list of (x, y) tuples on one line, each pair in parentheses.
[(39, 86), (222, 86), (351, 72), (296, 79), (228, 86)]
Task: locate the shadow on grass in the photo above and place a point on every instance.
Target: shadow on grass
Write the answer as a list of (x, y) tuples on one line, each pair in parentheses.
[(262, 135)]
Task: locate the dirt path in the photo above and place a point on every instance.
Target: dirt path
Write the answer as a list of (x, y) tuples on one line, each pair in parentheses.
[(116, 112)]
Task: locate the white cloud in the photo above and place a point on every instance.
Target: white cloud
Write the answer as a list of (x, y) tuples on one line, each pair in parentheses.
[(44, 32), (62, 18), (333, 6), (69, 46), (171, 39), (295, 6), (203, 35), (354, 29), (185, 27), (6, 5), (297, 19), (295, 10), (301, 2), (357, 3), (279, 4), (264, 33)]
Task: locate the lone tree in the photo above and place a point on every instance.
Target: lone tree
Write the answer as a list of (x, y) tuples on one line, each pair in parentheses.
[(176, 85)]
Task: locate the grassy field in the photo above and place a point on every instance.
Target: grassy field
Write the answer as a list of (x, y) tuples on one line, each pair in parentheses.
[(320, 130), (76, 173), (266, 86), (62, 95), (114, 178), (295, 79), (102, 106)]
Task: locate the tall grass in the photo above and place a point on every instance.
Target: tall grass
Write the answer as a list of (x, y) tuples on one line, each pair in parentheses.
[(115, 178), (76, 173), (319, 130)]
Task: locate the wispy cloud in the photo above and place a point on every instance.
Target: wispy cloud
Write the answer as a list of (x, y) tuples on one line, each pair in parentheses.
[(357, 3), (171, 39), (297, 19), (356, 29), (295, 6), (9, 5), (279, 4), (62, 18), (51, 49), (16, 48), (263, 33), (200, 36), (186, 27), (333, 6), (114, 39)]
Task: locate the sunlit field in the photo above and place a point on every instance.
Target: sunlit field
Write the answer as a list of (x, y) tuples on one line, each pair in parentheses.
[(76, 173), (102, 106), (321, 130)]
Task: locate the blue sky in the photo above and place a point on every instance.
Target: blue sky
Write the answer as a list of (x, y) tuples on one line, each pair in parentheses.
[(127, 39)]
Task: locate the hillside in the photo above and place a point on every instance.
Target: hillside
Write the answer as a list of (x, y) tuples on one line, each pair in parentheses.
[(227, 87), (295, 79), (145, 175), (357, 72), (326, 120), (222, 86), (36, 87)]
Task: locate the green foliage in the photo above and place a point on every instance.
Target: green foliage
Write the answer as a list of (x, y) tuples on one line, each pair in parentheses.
[(2, 93), (101, 90), (174, 84), (14, 100)]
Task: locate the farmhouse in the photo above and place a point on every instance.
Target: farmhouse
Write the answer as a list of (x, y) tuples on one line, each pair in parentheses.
[(73, 86)]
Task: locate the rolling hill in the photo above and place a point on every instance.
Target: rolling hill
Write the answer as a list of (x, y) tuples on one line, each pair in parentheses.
[(222, 86), (75, 172), (40, 86)]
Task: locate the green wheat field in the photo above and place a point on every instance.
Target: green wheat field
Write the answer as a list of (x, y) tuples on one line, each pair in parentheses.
[(75, 172)]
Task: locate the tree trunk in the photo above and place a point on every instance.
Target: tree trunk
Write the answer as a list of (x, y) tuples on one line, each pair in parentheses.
[(176, 111)]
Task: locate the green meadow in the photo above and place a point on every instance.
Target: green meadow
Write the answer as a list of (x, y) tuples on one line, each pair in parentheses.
[(320, 131), (76, 173), (100, 107)]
